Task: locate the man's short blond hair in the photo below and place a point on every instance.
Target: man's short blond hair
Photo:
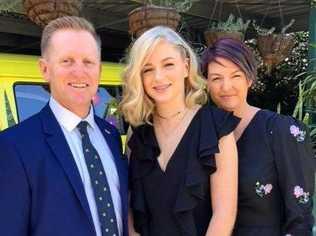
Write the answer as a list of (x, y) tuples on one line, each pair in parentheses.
[(67, 22)]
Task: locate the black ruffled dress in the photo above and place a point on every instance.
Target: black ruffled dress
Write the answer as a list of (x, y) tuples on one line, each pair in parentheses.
[(176, 201)]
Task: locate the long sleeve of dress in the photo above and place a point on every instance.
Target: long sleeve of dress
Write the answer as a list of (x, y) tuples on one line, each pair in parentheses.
[(295, 164)]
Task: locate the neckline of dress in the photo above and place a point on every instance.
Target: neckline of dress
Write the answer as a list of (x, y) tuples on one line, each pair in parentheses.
[(179, 144), (250, 124)]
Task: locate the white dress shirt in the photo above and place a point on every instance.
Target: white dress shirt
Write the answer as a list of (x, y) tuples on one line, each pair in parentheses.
[(68, 122)]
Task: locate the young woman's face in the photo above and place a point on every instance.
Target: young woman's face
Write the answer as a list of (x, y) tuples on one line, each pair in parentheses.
[(164, 73), (227, 84)]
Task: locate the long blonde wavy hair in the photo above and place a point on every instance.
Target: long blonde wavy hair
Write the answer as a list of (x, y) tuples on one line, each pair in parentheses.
[(136, 106)]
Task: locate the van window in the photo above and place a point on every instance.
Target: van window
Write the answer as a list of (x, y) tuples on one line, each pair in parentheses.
[(31, 98)]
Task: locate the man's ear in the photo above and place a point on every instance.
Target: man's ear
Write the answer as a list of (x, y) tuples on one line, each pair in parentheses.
[(43, 66), (100, 72)]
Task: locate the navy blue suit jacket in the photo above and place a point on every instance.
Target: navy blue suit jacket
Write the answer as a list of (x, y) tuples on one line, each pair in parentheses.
[(41, 192)]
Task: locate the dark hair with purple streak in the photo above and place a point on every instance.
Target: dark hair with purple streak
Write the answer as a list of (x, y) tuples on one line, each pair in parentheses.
[(234, 51)]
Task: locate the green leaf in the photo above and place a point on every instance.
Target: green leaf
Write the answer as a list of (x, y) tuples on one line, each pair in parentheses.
[(10, 117)]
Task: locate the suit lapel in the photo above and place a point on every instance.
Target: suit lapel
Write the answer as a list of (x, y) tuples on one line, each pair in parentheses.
[(58, 145)]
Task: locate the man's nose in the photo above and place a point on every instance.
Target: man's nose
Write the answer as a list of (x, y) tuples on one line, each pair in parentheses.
[(78, 68)]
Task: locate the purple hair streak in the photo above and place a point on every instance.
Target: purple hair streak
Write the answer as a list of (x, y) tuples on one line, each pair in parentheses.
[(234, 51)]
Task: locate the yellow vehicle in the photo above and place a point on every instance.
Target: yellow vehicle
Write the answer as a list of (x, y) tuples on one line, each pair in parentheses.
[(23, 92)]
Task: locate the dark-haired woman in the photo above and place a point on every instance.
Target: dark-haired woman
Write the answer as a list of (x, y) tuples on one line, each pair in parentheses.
[(276, 169)]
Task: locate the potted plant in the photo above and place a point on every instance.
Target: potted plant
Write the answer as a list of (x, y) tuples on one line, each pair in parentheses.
[(41, 12), (233, 27), (306, 103), (157, 12), (112, 114), (274, 48)]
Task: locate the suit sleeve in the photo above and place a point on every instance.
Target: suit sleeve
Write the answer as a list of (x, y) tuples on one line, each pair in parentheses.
[(14, 193), (295, 167)]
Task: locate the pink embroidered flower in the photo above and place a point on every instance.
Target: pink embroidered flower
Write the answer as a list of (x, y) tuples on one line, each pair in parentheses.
[(297, 133), (303, 197), (298, 191), (294, 130), (262, 190), (267, 188)]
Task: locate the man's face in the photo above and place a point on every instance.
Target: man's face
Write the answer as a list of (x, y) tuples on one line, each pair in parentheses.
[(72, 67)]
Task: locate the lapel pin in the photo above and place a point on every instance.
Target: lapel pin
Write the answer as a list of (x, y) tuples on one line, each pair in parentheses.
[(108, 132)]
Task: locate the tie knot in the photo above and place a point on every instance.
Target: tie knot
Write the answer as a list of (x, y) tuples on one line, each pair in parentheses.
[(82, 127)]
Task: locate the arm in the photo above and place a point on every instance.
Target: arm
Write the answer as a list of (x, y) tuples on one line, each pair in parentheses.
[(224, 188), (295, 167), (14, 193)]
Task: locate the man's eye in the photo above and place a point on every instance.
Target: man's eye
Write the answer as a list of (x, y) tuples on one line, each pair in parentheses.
[(87, 62), (66, 61)]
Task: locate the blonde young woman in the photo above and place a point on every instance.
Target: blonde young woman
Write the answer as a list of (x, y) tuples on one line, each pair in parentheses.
[(183, 161)]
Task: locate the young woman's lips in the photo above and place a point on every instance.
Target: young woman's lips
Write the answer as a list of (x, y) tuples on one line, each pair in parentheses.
[(161, 88)]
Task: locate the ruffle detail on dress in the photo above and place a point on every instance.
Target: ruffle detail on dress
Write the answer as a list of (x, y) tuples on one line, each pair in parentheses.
[(140, 212), (225, 122), (144, 149), (213, 125)]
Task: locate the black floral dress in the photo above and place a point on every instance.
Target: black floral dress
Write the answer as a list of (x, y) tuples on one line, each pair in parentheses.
[(276, 178), (176, 201)]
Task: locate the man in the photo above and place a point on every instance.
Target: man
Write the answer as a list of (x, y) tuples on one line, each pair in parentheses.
[(62, 171)]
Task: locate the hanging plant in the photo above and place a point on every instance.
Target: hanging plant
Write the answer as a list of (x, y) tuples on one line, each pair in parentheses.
[(43, 11), (233, 27), (11, 6), (155, 12), (280, 86), (274, 48)]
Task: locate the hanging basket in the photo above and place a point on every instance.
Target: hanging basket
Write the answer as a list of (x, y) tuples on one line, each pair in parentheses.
[(146, 17), (212, 36), (274, 48), (43, 11)]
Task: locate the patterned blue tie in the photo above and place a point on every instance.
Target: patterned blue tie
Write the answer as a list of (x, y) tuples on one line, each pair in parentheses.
[(99, 184)]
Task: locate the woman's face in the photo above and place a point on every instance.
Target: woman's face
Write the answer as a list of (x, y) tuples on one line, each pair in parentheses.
[(227, 84), (164, 72)]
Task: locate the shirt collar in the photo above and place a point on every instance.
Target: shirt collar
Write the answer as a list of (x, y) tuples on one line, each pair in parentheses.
[(68, 119)]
